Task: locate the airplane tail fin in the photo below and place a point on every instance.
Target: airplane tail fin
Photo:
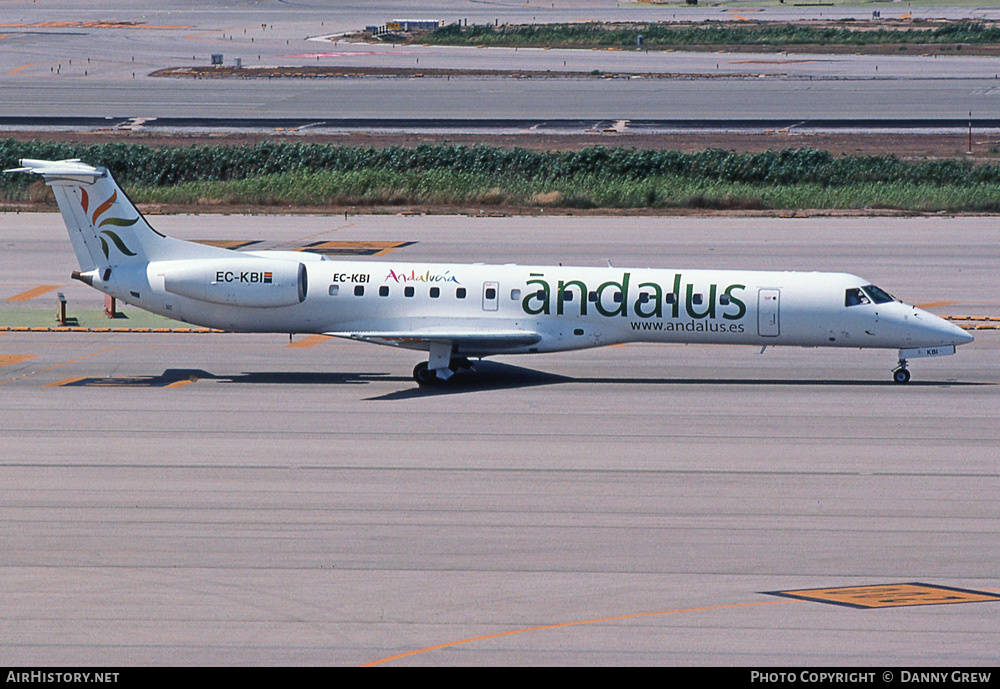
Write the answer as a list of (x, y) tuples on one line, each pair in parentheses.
[(106, 229)]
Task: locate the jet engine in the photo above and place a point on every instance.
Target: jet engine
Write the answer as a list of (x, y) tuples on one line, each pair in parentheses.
[(255, 283)]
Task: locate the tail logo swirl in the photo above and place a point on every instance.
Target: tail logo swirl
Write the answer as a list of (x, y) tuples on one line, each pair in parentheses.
[(118, 222)]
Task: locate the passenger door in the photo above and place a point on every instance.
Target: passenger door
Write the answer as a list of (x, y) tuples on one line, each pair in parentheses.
[(769, 312)]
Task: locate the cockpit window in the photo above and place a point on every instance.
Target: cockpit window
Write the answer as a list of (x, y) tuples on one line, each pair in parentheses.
[(877, 295), (855, 297)]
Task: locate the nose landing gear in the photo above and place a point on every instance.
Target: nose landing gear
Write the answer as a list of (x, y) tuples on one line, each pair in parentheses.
[(900, 374)]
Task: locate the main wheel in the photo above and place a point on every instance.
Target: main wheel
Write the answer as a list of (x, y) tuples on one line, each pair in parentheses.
[(424, 375), (901, 375)]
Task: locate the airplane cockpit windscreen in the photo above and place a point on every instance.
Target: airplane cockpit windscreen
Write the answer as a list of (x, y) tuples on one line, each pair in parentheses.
[(869, 294), (879, 296)]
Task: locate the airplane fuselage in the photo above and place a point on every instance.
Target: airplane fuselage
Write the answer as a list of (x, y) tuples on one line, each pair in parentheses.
[(568, 307)]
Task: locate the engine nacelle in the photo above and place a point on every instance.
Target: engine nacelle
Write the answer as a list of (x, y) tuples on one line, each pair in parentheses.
[(252, 282)]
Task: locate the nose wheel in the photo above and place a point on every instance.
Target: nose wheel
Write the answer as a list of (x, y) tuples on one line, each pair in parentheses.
[(900, 374)]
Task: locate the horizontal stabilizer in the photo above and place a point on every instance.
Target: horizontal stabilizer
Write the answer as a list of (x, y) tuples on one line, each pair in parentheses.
[(60, 169)]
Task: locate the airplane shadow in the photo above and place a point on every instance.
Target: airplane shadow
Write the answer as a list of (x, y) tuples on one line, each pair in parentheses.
[(492, 375), (772, 382), (487, 375), (497, 376), (287, 377)]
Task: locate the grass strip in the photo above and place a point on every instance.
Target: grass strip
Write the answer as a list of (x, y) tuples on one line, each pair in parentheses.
[(281, 174), (377, 188), (659, 35)]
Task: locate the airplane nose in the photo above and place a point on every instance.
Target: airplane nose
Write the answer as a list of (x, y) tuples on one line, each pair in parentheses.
[(951, 333), (939, 328), (961, 336)]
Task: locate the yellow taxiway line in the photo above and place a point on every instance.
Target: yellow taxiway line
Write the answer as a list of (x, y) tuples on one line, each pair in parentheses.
[(35, 292), (310, 341), (563, 625)]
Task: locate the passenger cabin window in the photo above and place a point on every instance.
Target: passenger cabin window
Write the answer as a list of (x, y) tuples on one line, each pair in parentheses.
[(435, 292), (671, 298), (515, 295), (460, 293), (724, 300), (334, 290), (567, 295), (592, 297), (491, 293), (408, 292), (618, 297), (383, 291), (359, 290), (855, 297), (697, 299), (643, 297)]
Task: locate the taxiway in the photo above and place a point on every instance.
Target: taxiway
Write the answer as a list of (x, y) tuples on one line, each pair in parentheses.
[(231, 499)]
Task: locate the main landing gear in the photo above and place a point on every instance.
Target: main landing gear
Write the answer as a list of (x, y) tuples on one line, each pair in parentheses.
[(440, 365), (426, 376), (900, 374)]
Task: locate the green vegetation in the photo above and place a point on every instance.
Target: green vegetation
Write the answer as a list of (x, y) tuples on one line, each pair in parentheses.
[(84, 318), (283, 174), (674, 35)]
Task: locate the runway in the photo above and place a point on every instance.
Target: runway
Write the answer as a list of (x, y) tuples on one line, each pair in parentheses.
[(94, 59), (231, 499)]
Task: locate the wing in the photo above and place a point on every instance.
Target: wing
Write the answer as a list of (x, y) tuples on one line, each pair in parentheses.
[(464, 342)]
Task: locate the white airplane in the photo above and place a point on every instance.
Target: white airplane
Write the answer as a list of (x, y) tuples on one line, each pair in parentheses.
[(456, 311)]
